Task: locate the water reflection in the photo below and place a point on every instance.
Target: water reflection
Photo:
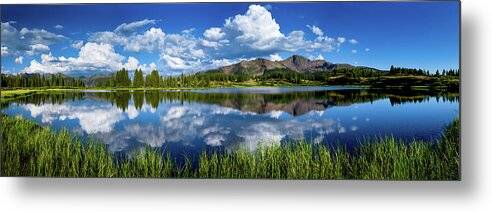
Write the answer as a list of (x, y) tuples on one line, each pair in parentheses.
[(193, 120)]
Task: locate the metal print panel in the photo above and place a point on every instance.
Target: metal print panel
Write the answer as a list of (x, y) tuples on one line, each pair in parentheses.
[(274, 90)]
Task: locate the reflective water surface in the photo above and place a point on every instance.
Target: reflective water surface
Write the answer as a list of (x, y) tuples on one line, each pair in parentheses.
[(186, 122)]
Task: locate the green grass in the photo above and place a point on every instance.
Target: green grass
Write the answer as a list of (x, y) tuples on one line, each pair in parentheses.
[(7, 95), (11, 94), (30, 150)]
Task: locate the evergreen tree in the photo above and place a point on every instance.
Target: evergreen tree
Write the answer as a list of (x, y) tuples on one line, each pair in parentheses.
[(138, 79), (153, 79)]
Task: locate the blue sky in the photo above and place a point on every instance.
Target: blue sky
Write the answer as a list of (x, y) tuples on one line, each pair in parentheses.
[(177, 38)]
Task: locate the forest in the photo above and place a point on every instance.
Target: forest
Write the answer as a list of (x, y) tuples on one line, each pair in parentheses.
[(213, 78)]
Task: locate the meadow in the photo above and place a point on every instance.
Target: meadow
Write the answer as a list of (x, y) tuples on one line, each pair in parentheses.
[(30, 150)]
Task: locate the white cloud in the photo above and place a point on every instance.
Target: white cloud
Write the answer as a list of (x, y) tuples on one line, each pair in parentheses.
[(354, 51), (213, 34), (188, 31), (152, 39), (214, 140), (47, 68), (319, 57), (26, 41), (353, 41), (78, 44), (275, 57), (174, 62), (257, 34), (132, 63), (261, 134), (128, 28), (367, 49), (19, 59), (256, 28), (197, 53), (92, 119), (102, 56), (92, 57), (58, 26), (341, 39), (178, 51), (132, 112), (38, 48), (210, 44), (107, 37), (221, 62), (316, 30)]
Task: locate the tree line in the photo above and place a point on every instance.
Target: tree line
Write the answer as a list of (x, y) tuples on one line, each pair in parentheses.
[(419, 72), (38, 80), (121, 78)]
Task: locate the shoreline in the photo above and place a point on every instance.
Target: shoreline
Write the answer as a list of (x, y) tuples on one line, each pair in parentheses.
[(16, 92)]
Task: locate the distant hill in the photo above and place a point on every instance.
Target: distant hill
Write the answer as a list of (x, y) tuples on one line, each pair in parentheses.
[(295, 63)]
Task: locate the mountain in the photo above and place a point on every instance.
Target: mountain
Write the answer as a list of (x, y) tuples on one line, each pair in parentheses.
[(254, 67), (295, 63)]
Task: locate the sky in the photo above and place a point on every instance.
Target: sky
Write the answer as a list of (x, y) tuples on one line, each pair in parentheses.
[(176, 38)]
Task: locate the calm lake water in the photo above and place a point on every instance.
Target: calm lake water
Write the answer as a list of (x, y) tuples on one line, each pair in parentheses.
[(186, 122)]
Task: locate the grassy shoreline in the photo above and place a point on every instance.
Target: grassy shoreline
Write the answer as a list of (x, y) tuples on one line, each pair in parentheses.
[(12, 93), (29, 150)]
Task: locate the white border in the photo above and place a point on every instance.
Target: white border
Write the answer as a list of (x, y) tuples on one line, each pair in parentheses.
[(471, 194)]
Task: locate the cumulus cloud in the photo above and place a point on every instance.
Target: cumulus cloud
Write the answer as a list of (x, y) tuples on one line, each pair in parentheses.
[(92, 57), (178, 51), (132, 63), (152, 39), (354, 51), (58, 26), (213, 34), (353, 41), (367, 49), (257, 34), (257, 28), (26, 41)]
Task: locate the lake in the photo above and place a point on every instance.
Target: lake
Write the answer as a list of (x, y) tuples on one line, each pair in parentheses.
[(187, 122)]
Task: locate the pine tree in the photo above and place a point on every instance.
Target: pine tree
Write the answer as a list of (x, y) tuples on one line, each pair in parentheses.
[(138, 79)]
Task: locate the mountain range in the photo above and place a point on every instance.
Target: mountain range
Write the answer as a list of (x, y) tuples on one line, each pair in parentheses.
[(295, 63)]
